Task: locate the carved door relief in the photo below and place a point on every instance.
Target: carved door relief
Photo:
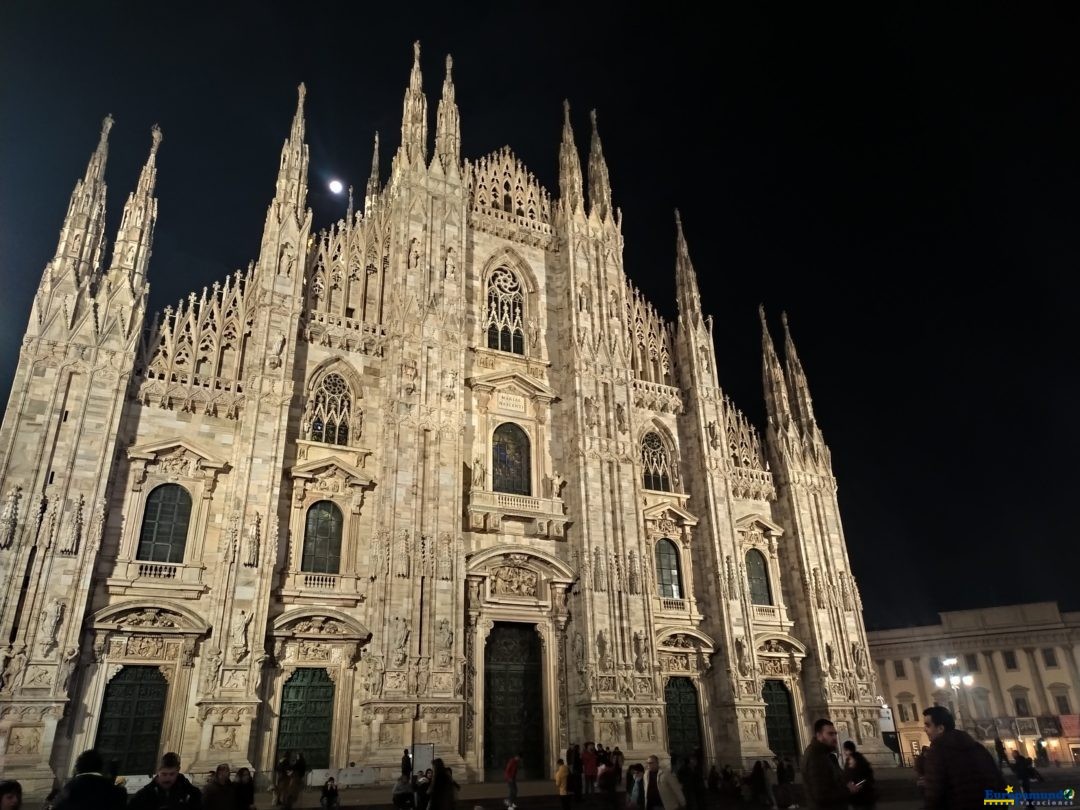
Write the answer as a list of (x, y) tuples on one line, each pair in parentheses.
[(306, 721), (683, 717), (513, 699), (132, 714)]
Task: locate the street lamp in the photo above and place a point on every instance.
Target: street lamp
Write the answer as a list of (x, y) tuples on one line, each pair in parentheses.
[(955, 680)]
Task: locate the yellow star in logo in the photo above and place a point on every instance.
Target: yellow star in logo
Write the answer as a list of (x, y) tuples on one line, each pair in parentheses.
[(1008, 788)]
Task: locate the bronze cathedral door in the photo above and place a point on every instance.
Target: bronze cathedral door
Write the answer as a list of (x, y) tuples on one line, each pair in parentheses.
[(513, 701), (683, 717), (131, 716), (307, 712)]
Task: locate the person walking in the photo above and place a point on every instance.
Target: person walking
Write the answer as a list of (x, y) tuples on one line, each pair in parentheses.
[(168, 789), (220, 794), (406, 764), (662, 789), (90, 787), (577, 770), (562, 784), (959, 769), (635, 794), (823, 779), (245, 790), (510, 773), (859, 771), (589, 766)]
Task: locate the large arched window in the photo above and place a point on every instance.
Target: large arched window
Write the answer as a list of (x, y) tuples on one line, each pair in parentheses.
[(322, 539), (331, 410), (165, 525), (654, 459), (668, 578), (757, 575), (505, 312), (510, 460)]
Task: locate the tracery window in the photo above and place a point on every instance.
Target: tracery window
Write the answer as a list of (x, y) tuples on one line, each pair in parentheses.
[(668, 578), (322, 539), (505, 312), (165, 525), (654, 458), (757, 576), (510, 460), (331, 411)]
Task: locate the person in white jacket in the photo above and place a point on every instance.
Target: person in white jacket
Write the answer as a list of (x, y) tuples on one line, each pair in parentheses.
[(662, 788)]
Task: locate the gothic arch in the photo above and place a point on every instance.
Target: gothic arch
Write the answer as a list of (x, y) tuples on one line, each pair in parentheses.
[(656, 426), (512, 260), (335, 365)]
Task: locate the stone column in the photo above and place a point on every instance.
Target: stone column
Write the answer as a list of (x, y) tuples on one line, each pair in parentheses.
[(1036, 676), (995, 684)]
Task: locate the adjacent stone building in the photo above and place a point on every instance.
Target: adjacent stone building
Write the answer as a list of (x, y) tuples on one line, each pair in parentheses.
[(1017, 672), (437, 473)]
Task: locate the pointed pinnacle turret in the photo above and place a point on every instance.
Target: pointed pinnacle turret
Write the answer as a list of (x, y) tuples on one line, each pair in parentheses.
[(570, 184), (82, 236), (371, 193), (796, 377), (776, 396), (448, 123), (414, 116), (131, 250), (291, 192), (686, 285), (599, 181)]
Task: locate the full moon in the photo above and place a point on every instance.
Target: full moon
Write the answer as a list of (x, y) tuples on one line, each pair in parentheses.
[(335, 186)]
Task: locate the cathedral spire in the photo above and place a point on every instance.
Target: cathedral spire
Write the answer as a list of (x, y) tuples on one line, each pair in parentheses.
[(448, 124), (82, 236), (570, 185), (686, 285), (599, 181), (291, 194), (372, 191), (776, 396), (131, 252), (796, 377), (414, 116)]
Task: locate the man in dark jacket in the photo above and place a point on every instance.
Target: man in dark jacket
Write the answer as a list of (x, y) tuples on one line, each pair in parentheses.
[(90, 787), (169, 789), (959, 770), (823, 779)]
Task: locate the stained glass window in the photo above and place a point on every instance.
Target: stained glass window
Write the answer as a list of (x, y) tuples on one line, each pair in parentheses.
[(505, 312), (757, 576), (654, 458), (322, 539), (331, 412), (165, 525), (667, 570), (510, 460)]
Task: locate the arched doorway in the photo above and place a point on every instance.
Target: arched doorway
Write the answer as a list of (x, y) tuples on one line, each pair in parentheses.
[(780, 720), (307, 711), (132, 714), (513, 700), (683, 717)]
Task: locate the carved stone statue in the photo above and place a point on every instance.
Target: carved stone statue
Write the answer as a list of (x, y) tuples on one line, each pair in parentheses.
[(858, 656), (633, 573), (732, 584), (212, 671), (67, 667), (401, 633), (602, 651), (70, 542), (423, 676), (51, 619), (479, 474), (444, 562), (599, 572), (743, 657), (254, 542), (451, 264), (14, 669), (830, 661), (714, 435), (512, 580), (620, 418), (592, 412), (557, 483), (445, 634), (641, 651), (819, 590), (579, 652), (403, 558), (240, 635), (9, 518)]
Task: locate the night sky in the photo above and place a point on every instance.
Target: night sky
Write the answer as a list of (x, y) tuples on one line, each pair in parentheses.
[(906, 187)]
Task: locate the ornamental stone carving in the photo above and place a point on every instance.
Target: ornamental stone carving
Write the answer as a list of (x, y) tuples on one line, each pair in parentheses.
[(512, 580)]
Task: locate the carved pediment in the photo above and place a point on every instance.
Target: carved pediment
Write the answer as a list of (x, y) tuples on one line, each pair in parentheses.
[(175, 459), (760, 524), (143, 616), (330, 476), (515, 382), (773, 644), (320, 623), (680, 638), (668, 518)]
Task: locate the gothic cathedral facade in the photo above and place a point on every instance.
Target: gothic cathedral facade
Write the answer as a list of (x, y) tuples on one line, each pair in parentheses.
[(437, 474)]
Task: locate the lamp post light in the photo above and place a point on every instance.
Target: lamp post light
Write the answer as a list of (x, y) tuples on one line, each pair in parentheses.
[(955, 680)]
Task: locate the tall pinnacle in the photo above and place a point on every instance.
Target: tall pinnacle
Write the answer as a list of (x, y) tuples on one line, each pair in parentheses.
[(131, 251), (291, 193), (686, 285), (800, 389), (414, 116), (448, 123), (599, 182), (570, 185), (776, 396), (372, 191), (82, 236)]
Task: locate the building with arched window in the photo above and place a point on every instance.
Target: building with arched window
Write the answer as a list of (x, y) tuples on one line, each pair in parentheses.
[(437, 473)]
